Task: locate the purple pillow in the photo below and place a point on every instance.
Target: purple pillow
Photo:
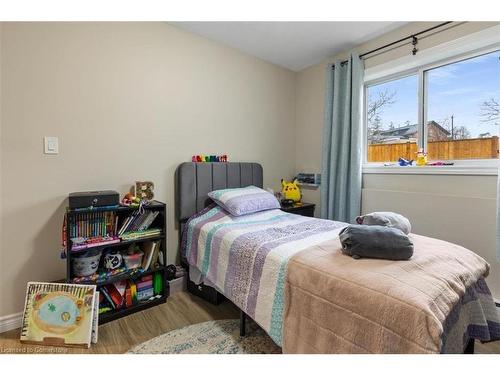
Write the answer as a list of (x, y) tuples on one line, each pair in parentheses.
[(242, 201)]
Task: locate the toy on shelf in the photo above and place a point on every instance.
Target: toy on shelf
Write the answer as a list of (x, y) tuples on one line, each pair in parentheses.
[(439, 164), (291, 190), (112, 261), (404, 163), (209, 159), (421, 158), (130, 200)]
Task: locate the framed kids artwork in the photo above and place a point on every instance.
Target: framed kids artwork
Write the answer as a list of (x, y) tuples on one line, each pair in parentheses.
[(60, 314)]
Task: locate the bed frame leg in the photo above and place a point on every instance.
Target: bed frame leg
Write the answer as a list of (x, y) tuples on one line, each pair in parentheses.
[(243, 317), (469, 349)]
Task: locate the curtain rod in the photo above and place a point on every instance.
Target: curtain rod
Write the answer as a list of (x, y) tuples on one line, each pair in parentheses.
[(412, 36)]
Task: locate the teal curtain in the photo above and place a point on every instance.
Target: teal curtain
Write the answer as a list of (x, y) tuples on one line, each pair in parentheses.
[(342, 141)]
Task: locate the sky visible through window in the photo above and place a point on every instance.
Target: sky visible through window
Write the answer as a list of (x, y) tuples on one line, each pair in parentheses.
[(459, 89)]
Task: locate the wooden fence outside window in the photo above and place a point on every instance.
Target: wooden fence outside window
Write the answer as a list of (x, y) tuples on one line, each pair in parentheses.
[(475, 148)]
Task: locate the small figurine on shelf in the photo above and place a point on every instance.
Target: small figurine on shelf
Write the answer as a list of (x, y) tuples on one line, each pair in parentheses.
[(130, 200), (112, 261), (421, 158)]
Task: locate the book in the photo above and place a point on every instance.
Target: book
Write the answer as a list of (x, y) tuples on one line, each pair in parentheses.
[(148, 249), (154, 260), (95, 321), (133, 292), (138, 222), (107, 297), (145, 294), (125, 223), (149, 220), (120, 286), (144, 285), (137, 235), (114, 294)]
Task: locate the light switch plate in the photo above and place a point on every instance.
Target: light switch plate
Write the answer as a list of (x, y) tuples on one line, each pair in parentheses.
[(51, 145)]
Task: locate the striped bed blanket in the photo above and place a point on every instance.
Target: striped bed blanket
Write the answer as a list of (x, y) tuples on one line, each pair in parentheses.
[(245, 257), (475, 316)]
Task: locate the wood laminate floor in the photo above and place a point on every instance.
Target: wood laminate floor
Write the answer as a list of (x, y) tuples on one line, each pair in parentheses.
[(181, 309)]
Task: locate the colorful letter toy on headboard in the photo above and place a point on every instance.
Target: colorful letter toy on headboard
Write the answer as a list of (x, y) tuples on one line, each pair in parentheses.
[(207, 158)]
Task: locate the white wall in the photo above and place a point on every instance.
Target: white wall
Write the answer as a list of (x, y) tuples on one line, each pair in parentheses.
[(128, 101), (459, 209)]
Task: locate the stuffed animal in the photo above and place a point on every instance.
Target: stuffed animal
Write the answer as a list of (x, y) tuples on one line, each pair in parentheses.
[(421, 158), (291, 190)]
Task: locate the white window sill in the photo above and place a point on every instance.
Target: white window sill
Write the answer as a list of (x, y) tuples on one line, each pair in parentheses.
[(474, 170)]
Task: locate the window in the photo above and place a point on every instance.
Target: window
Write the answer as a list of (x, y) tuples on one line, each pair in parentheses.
[(392, 119), (458, 101), (462, 109)]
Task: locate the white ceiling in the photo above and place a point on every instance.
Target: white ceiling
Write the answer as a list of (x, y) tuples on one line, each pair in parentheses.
[(293, 45)]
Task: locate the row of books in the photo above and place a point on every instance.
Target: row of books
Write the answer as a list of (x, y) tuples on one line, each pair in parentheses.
[(145, 288), (94, 224), (127, 293), (138, 222)]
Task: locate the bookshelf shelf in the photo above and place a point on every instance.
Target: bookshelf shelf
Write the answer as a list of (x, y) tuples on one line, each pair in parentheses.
[(127, 275), (119, 244), (119, 216), (116, 314)]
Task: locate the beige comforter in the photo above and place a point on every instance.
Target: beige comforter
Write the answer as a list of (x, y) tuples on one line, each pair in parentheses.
[(336, 304)]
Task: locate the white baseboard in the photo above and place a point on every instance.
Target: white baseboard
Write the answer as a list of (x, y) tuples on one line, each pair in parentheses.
[(11, 321)]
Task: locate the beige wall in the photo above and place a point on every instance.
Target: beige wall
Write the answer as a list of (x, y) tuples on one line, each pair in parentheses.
[(128, 101), (459, 209)]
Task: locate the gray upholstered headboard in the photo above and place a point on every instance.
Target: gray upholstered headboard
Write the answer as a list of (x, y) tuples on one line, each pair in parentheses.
[(196, 180)]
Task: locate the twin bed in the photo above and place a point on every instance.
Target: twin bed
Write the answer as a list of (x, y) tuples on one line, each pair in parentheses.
[(287, 273)]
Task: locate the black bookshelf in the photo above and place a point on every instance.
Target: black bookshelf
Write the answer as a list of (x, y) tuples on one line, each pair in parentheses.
[(122, 212)]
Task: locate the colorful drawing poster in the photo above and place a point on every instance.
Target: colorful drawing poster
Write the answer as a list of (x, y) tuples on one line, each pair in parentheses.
[(58, 314)]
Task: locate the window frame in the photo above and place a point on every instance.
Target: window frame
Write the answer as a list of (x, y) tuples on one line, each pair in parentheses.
[(461, 166)]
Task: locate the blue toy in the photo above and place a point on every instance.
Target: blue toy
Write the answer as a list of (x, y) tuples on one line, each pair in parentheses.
[(404, 163)]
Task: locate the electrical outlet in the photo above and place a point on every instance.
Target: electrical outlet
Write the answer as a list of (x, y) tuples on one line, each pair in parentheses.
[(51, 145)]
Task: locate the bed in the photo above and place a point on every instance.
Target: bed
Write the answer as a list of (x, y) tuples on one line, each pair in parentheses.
[(287, 273)]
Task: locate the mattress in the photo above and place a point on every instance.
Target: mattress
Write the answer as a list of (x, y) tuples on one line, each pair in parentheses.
[(267, 264)]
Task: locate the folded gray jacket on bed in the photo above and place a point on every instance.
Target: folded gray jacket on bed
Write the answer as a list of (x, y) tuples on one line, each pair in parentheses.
[(386, 219), (375, 241)]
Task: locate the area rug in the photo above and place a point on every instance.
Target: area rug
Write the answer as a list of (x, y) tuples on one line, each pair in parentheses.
[(213, 337)]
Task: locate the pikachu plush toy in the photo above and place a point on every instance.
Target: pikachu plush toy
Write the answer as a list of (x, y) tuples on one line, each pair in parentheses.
[(291, 190)]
